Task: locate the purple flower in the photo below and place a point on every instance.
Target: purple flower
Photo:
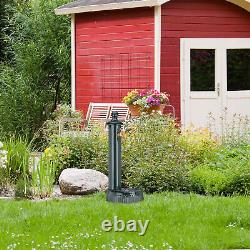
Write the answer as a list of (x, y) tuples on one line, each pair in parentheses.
[(153, 101)]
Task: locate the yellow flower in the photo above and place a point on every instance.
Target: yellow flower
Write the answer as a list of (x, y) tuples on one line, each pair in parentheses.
[(47, 151), (130, 96)]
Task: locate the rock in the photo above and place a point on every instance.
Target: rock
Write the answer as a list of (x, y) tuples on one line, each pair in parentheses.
[(82, 181)]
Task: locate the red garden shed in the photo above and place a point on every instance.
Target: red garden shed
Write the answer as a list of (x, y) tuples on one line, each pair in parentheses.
[(196, 50)]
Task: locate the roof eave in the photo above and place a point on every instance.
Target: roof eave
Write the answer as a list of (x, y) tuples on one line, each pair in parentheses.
[(245, 4), (110, 6)]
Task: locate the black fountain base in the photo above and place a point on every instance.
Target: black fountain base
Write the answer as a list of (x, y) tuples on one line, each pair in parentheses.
[(125, 195)]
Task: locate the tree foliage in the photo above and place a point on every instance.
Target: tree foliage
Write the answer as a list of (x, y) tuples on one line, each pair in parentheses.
[(3, 24), (37, 77)]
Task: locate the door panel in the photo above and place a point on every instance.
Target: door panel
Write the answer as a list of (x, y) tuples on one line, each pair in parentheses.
[(238, 81), (200, 82)]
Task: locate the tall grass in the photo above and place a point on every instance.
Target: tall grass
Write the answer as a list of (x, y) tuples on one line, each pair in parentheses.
[(22, 171), (17, 167), (43, 177)]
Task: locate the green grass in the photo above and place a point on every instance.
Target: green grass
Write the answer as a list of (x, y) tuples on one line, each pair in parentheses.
[(176, 222)]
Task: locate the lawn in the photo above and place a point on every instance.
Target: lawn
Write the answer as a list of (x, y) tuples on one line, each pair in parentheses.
[(177, 221)]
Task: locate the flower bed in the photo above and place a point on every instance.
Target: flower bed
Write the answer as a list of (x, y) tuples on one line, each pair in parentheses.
[(156, 156)]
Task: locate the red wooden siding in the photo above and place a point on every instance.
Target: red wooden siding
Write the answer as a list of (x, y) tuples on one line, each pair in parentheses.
[(114, 53), (195, 19)]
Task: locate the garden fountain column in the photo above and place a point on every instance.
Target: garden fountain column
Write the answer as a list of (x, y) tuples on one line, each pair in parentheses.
[(115, 192)]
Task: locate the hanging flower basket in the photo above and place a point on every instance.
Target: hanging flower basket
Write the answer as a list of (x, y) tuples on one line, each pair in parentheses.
[(147, 101)]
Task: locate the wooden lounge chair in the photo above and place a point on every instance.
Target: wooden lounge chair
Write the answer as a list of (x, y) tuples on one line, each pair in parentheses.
[(97, 113), (101, 112)]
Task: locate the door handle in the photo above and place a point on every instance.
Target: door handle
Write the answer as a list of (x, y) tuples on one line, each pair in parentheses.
[(218, 88)]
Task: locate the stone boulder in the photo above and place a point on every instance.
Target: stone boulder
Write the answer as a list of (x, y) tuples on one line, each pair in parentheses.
[(82, 181)]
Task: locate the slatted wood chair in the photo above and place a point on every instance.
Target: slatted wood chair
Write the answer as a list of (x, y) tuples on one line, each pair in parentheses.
[(122, 109), (97, 113)]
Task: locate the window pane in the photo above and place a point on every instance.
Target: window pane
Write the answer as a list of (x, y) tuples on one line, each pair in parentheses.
[(202, 69), (238, 69)]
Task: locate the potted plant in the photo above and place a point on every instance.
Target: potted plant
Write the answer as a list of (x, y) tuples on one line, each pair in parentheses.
[(145, 101)]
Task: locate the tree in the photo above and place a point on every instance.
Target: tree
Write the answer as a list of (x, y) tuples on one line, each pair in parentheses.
[(3, 24), (38, 76)]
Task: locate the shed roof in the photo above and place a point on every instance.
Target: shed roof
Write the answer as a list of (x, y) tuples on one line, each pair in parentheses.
[(81, 6), (81, 3), (98, 5)]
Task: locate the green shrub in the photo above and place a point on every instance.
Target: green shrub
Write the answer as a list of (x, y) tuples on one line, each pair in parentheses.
[(161, 176), (37, 77), (199, 143), (207, 181), (51, 126), (87, 151), (238, 180), (227, 173), (153, 158), (18, 104), (156, 157)]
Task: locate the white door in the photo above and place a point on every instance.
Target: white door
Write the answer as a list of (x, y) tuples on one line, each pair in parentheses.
[(215, 81)]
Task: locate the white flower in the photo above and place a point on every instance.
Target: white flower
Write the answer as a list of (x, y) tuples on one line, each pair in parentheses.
[(130, 244), (3, 158), (3, 152), (1, 144)]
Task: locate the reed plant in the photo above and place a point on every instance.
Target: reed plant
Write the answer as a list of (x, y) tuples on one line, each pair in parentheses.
[(43, 177), (17, 166)]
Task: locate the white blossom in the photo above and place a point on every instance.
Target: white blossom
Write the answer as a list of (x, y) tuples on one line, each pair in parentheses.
[(3, 157)]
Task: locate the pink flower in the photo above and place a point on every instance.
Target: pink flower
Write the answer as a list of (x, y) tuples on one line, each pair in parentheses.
[(143, 92)]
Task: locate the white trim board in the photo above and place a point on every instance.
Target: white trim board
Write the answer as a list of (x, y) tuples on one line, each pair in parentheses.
[(73, 63), (157, 37), (182, 81)]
